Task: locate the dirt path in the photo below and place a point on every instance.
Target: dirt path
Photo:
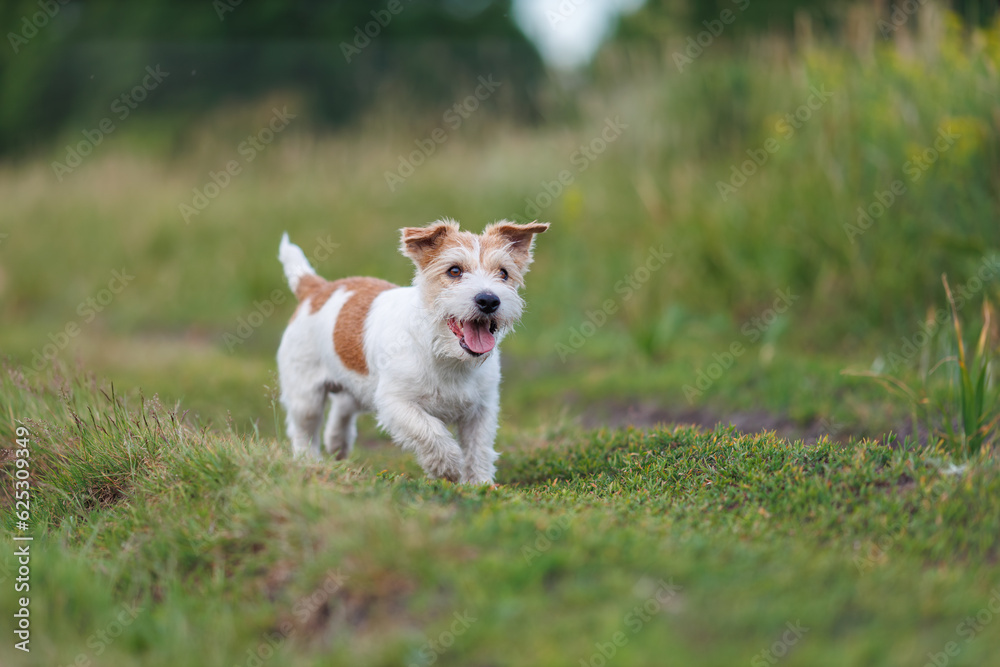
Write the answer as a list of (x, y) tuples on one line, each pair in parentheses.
[(645, 414)]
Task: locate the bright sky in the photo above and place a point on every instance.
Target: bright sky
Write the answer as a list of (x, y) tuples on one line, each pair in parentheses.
[(569, 32)]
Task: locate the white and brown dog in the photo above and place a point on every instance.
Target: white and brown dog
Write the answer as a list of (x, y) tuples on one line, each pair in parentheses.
[(420, 357)]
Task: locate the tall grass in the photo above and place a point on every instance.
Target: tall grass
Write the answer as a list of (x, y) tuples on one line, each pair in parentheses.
[(955, 400), (794, 224), (792, 228), (976, 395)]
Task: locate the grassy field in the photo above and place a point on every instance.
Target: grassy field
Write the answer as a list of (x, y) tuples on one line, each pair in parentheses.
[(159, 544), (808, 197), (785, 266)]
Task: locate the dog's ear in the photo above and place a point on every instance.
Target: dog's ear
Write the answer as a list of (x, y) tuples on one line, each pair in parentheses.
[(421, 243), (519, 240)]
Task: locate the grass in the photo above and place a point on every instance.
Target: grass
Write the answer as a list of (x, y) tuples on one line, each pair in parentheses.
[(956, 400), (167, 512), (196, 545), (977, 392), (789, 229)]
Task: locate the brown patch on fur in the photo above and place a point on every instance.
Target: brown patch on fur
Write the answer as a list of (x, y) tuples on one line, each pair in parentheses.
[(437, 247), (515, 240), (458, 249), (349, 332), (421, 244), (316, 289)]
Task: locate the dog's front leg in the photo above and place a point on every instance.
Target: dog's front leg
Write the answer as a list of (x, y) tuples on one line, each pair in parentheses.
[(477, 433), (427, 436)]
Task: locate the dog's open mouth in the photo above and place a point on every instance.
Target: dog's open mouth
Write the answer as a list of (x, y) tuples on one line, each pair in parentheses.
[(475, 336)]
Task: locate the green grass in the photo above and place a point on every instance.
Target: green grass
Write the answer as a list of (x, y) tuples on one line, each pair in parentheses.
[(655, 186), (956, 400), (175, 492), (215, 541)]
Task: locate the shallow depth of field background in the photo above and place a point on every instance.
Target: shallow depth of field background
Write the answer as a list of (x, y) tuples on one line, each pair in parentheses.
[(746, 198), (793, 154)]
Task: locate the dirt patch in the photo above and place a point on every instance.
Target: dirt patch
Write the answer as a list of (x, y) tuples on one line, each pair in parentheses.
[(646, 414)]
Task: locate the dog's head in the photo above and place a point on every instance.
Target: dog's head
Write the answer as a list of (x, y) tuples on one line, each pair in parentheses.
[(469, 282)]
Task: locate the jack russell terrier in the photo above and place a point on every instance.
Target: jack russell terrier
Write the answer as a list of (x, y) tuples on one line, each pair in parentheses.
[(420, 357)]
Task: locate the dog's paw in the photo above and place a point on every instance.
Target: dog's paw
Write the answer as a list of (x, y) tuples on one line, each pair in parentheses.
[(480, 470), (478, 480), (444, 465)]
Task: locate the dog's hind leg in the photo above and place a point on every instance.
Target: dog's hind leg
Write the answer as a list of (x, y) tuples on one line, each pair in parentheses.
[(303, 387), (305, 415), (342, 425)]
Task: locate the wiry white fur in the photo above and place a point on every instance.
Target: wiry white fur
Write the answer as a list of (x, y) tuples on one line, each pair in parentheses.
[(304, 371), (419, 377), (295, 262), (458, 301)]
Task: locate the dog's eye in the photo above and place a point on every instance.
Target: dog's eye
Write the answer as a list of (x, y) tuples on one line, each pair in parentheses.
[(455, 272), (503, 274)]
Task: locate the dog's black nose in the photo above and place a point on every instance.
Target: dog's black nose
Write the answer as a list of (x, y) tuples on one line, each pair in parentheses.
[(487, 302)]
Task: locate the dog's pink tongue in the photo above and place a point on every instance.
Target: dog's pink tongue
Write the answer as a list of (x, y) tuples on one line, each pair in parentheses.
[(478, 337)]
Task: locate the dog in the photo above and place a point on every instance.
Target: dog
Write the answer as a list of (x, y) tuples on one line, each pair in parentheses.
[(420, 357)]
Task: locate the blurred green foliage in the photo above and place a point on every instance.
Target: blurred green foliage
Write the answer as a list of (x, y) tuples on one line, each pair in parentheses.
[(777, 17), (65, 64), (850, 174)]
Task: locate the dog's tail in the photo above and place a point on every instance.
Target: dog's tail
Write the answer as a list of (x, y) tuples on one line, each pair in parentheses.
[(294, 261)]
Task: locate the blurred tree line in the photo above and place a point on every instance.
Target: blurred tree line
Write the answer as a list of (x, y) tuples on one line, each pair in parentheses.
[(66, 62), (779, 16)]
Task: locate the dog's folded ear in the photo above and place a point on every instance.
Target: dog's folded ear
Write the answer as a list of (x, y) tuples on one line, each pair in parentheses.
[(518, 239), (421, 243)]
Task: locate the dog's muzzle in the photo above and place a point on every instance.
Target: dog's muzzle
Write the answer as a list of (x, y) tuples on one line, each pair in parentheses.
[(475, 336)]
